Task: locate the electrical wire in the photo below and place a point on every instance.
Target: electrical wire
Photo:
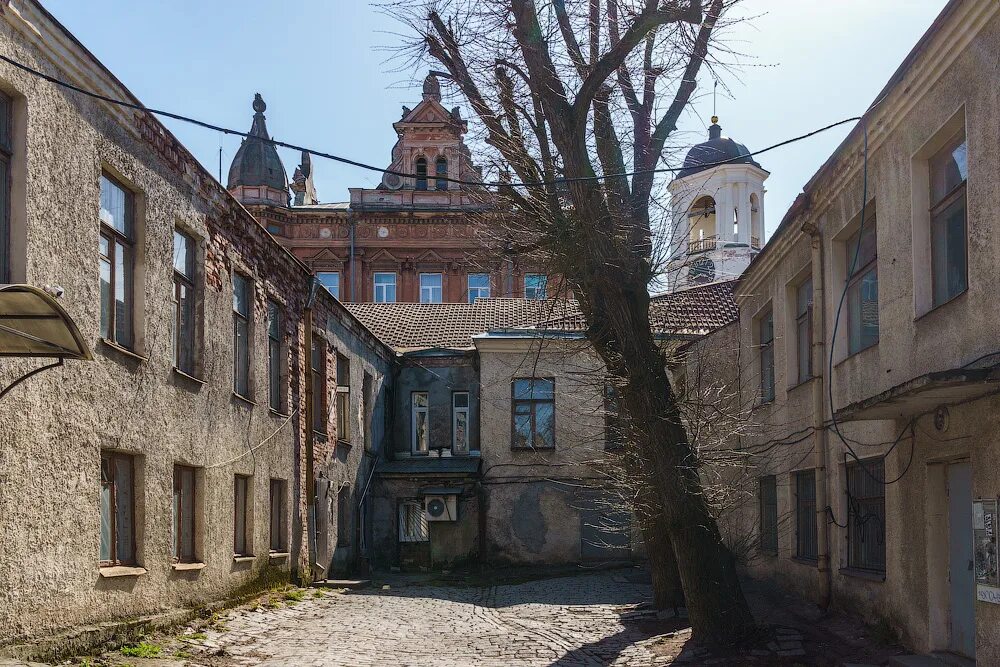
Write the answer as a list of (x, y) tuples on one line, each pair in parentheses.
[(263, 442), (361, 165)]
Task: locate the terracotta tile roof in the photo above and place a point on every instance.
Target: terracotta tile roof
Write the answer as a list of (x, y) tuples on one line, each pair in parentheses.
[(695, 311), (417, 326)]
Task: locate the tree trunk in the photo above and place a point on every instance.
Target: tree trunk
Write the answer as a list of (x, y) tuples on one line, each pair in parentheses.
[(667, 590), (622, 336)]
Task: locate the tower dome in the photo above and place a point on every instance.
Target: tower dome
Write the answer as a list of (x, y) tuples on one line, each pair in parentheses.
[(717, 206), (717, 149), (257, 175)]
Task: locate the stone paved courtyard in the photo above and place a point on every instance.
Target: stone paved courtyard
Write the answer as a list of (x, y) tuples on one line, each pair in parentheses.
[(582, 620), (595, 618)]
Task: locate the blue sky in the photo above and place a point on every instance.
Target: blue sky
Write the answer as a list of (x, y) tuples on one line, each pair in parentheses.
[(327, 85)]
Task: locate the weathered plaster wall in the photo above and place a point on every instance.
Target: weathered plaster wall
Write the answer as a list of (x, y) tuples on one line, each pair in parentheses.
[(535, 498), (940, 91), (440, 376), (57, 424)]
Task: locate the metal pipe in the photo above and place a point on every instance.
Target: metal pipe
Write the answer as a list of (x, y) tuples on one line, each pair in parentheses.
[(818, 416)]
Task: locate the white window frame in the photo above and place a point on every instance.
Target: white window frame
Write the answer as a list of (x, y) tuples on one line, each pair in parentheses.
[(431, 289), (455, 411), (416, 506), (543, 290), (477, 292), (383, 287), (321, 274), (414, 411)]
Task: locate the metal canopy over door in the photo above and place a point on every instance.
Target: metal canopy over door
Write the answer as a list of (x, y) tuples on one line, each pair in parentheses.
[(961, 577)]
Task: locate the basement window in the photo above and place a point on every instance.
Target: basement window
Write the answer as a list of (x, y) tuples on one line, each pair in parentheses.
[(412, 521)]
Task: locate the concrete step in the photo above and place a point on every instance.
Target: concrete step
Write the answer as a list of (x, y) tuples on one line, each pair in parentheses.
[(352, 584), (936, 659)]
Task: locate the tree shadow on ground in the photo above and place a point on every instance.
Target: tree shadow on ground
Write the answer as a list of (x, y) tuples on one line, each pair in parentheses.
[(605, 650)]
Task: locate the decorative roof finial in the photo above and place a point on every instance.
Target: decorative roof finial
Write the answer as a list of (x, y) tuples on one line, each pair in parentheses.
[(432, 88), (715, 120), (258, 103)]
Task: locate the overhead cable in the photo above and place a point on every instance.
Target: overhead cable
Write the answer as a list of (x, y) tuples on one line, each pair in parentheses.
[(361, 165)]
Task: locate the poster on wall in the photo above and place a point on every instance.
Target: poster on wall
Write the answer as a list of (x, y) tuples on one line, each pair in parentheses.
[(984, 517)]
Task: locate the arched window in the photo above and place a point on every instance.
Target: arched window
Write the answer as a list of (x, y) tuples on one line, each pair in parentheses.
[(421, 173), (701, 225), (441, 170)]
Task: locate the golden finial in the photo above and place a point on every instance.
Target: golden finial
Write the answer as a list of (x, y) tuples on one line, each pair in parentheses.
[(715, 120)]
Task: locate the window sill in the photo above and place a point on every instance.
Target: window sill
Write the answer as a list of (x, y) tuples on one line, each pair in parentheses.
[(277, 556), (109, 571), (190, 378), (851, 355), (124, 351), (244, 558), (187, 567), (940, 306), (811, 562), (278, 413), (803, 383), (533, 449), (243, 399), (870, 575)]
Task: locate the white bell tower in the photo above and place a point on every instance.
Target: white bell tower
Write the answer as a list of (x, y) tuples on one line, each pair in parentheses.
[(717, 212)]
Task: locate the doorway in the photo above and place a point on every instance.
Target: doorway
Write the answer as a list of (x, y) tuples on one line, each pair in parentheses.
[(961, 577)]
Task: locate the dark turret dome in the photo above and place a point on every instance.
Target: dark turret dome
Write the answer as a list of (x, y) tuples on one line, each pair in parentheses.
[(717, 149), (257, 162)]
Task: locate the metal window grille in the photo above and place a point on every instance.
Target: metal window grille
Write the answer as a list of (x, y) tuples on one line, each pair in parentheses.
[(866, 515)]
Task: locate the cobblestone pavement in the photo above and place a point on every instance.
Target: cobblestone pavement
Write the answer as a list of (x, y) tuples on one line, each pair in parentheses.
[(565, 622)]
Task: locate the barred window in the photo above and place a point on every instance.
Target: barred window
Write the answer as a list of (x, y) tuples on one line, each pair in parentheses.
[(866, 515), (768, 514), (805, 515), (412, 521)]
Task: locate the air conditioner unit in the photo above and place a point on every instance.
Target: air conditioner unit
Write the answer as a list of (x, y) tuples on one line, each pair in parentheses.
[(441, 508)]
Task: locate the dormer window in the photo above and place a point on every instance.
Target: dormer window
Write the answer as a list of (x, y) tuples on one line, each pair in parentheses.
[(421, 173), (441, 172)]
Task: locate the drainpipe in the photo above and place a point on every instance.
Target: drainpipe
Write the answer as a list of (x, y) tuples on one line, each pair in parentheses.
[(307, 323), (819, 412)]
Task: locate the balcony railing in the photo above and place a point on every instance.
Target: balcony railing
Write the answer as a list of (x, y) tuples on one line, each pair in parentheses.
[(702, 245)]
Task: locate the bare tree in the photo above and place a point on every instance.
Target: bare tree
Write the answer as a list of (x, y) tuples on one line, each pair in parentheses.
[(583, 89)]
